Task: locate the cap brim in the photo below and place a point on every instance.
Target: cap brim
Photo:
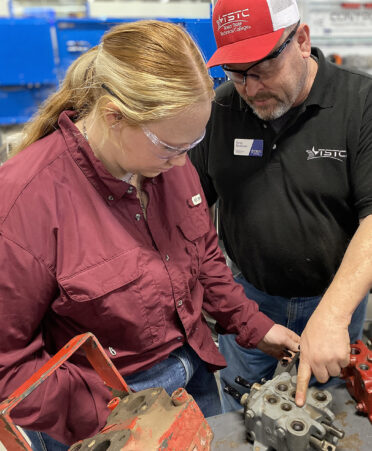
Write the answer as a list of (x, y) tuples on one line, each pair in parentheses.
[(252, 49)]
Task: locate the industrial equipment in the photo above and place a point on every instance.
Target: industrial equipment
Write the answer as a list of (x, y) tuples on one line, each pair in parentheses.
[(152, 420), (273, 420), (147, 420), (358, 377)]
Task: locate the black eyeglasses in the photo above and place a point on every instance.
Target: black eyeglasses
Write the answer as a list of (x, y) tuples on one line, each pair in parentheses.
[(110, 91), (240, 76)]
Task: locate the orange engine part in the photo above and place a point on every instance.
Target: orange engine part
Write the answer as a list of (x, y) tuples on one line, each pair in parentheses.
[(358, 377), (152, 420), (148, 420)]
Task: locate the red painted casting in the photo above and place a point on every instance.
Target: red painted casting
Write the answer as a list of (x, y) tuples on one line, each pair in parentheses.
[(358, 377), (168, 423), (10, 436)]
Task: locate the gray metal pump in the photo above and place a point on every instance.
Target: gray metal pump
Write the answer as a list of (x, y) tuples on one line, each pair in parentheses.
[(273, 421)]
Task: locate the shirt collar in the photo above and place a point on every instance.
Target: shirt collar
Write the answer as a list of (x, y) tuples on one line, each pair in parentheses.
[(106, 184), (322, 91)]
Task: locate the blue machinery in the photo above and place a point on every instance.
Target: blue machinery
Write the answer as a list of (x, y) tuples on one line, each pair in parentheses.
[(35, 53)]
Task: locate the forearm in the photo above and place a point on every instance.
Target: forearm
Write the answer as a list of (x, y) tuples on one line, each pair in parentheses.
[(353, 278), (225, 300)]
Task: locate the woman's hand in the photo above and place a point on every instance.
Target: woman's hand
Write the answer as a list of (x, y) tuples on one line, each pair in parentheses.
[(278, 341)]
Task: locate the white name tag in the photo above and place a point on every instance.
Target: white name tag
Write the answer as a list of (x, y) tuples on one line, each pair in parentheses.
[(248, 147)]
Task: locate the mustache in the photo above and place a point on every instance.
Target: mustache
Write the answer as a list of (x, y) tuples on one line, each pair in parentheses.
[(262, 97)]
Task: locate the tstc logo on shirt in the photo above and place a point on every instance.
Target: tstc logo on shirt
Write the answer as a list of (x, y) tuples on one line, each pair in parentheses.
[(339, 155), (232, 22)]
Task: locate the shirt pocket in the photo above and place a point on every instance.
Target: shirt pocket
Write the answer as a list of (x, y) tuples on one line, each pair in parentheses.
[(193, 229), (112, 300)]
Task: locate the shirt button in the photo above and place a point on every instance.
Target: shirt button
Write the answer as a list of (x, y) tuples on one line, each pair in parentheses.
[(167, 257), (179, 303), (110, 197), (264, 125), (130, 190), (274, 146), (138, 217), (112, 351)]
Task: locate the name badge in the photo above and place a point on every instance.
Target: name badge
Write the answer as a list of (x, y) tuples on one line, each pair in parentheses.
[(196, 200), (248, 147)]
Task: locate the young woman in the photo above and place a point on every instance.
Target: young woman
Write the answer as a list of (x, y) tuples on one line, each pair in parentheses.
[(104, 228)]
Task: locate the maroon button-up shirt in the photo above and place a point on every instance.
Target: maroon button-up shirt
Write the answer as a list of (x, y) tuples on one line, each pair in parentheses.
[(76, 255)]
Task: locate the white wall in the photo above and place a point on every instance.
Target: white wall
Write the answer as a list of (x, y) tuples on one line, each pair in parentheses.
[(122, 8), (4, 10)]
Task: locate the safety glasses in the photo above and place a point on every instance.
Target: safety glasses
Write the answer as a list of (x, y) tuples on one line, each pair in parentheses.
[(171, 151), (268, 64)]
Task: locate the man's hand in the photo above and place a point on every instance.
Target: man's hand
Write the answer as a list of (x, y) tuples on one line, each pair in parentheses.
[(277, 340), (325, 350)]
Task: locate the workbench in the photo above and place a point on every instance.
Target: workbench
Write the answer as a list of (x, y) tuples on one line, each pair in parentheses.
[(229, 431)]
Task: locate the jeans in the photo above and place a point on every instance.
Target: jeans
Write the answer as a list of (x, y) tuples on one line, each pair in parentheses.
[(44, 442), (183, 368), (252, 364)]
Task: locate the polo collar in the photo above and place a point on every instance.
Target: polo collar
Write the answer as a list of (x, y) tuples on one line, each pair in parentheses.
[(322, 91)]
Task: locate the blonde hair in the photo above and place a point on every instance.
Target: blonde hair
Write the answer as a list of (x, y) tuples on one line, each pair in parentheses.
[(149, 69)]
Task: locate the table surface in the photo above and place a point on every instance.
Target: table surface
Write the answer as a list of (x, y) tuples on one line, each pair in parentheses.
[(229, 431)]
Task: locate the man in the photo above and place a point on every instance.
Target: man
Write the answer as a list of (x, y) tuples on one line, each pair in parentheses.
[(288, 153)]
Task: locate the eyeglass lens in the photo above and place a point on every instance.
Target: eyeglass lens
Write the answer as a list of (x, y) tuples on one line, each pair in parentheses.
[(264, 68)]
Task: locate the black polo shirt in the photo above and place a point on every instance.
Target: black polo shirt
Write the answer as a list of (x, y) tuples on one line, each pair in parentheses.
[(291, 201)]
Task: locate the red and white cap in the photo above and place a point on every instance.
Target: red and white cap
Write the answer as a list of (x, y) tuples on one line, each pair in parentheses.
[(247, 30)]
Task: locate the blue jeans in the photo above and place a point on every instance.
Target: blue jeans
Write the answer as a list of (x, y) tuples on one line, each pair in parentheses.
[(44, 442), (252, 364), (183, 368)]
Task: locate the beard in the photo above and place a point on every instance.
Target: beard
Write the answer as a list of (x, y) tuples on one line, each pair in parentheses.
[(273, 110), (278, 104)]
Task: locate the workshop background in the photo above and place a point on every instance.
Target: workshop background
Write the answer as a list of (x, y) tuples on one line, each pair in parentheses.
[(40, 39)]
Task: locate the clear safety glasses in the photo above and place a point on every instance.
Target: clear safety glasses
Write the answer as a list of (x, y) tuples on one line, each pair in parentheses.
[(168, 150), (171, 151)]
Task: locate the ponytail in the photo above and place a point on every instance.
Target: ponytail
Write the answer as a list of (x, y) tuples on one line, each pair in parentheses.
[(76, 93)]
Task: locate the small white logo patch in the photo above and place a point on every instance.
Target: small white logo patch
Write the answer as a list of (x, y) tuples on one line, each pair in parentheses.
[(339, 155)]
